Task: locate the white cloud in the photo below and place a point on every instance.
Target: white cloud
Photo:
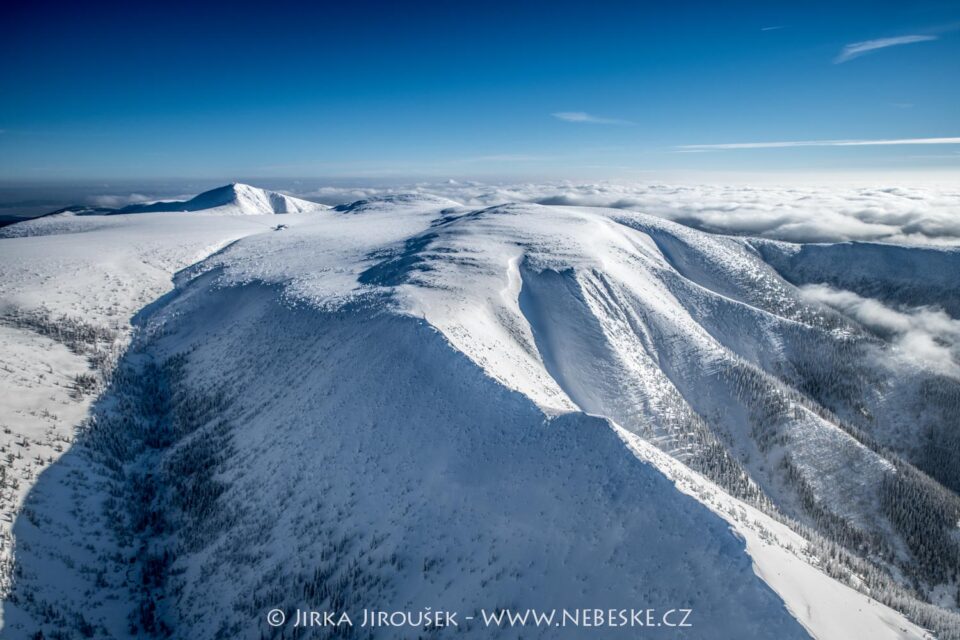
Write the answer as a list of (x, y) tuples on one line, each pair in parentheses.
[(115, 201), (816, 143), (914, 215), (580, 116), (857, 49), (922, 334), (770, 28)]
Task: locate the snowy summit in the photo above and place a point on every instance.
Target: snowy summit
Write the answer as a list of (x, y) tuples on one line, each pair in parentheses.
[(233, 199)]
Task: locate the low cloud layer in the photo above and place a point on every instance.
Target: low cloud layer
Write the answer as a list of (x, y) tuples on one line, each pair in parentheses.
[(923, 334), (914, 215)]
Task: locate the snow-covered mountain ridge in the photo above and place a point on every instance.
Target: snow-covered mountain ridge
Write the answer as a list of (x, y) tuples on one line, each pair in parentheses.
[(406, 401), (235, 198)]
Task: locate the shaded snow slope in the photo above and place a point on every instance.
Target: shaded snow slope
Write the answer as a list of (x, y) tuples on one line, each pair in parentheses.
[(69, 286), (414, 480)]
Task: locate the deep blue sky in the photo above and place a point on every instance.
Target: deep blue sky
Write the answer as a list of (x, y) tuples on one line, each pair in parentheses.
[(142, 89)]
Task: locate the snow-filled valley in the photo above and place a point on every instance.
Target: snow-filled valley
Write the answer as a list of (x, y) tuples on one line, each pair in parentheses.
[(246, 401)]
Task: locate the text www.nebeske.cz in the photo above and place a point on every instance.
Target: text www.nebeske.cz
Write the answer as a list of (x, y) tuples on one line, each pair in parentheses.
[(503, 618)]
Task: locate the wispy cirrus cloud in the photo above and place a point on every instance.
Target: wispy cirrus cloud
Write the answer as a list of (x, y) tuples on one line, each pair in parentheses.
[(857, 49), (580, 116), (816, 143)]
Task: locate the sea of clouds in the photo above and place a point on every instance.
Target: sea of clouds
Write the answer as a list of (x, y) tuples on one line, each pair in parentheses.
[(928, 214), (904, 215)]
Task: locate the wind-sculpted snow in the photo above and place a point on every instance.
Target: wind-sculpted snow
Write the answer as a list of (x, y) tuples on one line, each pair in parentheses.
[(407, 402)]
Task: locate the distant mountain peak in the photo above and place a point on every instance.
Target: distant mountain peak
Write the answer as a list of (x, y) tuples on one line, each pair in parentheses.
[(234, 198)]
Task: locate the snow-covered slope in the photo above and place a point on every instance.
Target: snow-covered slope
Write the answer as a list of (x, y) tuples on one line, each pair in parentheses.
[(405, 402), (70, 287), (411, 481)]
